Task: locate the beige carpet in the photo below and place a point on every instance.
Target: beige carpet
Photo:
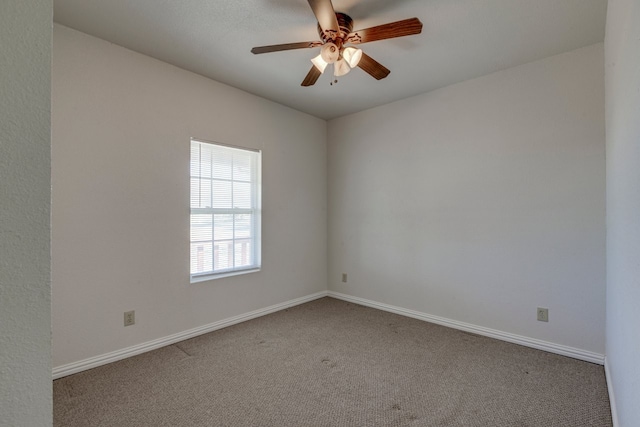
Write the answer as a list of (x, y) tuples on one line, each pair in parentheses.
[(332, 363)]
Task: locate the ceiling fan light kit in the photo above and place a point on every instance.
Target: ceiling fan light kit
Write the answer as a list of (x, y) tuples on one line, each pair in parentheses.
[(335, 30), (319, 63), (341, 68), (343, 61), (330, 53), (352, 55)]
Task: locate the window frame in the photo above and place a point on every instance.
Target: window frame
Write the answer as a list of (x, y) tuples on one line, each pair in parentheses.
[(255, 211)]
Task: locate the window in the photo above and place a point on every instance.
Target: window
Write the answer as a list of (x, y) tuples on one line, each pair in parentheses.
[(225, 210)]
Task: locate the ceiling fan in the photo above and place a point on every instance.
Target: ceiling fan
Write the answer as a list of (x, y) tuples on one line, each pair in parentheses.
[(336, 31)]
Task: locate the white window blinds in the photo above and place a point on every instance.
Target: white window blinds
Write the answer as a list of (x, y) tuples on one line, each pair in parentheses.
[(225, 210)]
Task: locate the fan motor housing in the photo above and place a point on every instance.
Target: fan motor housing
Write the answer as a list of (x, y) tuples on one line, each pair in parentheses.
[(345, 24)]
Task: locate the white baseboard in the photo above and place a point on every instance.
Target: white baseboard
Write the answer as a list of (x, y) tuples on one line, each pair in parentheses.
[(612, 398), (563, 350), (92, 362)]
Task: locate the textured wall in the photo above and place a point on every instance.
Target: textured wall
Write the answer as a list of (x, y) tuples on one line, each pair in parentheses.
[(480, 201), (25, 193), (622, 71), (121, 128)]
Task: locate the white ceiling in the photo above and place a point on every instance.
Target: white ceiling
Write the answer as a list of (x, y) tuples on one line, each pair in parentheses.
[(460, 40)]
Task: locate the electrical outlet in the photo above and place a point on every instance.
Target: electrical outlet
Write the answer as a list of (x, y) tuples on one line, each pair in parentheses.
[(543, 314), (344, 277), (129, 318)]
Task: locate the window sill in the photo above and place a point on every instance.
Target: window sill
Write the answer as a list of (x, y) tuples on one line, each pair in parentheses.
[(208, 277)]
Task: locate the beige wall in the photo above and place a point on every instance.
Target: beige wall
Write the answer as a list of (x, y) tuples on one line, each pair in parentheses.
[(480, 202), (622, 70), (25, 194), (121, 128)]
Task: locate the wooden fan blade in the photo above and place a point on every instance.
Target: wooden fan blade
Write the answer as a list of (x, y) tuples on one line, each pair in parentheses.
[(373, 67), (286, 46), (407, 27), (326, 16), (312, 77)]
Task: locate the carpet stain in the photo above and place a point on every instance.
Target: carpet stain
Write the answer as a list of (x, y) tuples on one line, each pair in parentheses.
[(396, 406), (329, 363)]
